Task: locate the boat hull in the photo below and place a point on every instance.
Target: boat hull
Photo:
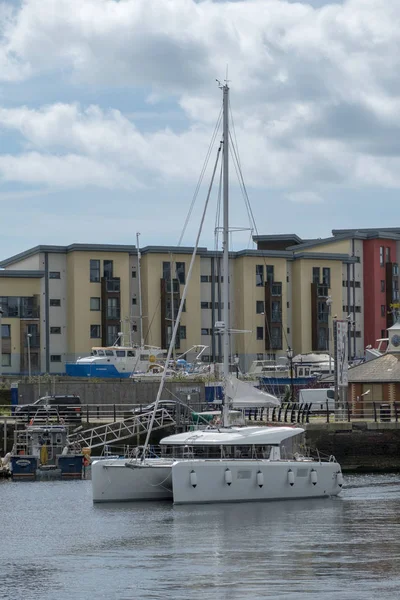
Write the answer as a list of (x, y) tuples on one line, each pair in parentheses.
[(112, 481), (239, 481)]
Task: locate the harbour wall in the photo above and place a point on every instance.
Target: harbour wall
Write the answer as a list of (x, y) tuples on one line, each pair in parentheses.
[(358, 446)]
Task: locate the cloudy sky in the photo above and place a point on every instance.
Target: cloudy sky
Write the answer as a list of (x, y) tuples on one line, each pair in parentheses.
[(107, 109)]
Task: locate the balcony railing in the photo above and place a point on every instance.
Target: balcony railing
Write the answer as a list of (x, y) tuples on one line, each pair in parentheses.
[(113, 285), (322, 291), (113, 313), (276, 289)]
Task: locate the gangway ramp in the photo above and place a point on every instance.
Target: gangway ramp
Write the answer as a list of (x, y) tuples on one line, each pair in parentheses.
[(112, 433)]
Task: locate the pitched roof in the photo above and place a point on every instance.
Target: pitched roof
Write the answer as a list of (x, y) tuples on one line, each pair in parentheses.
[(386, 368)]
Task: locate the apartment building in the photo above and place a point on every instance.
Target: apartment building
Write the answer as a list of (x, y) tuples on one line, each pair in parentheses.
[(71, 298)]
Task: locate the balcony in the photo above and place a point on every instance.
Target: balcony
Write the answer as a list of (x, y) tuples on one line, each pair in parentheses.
[(113, 285), (276, 289), (322, 291)]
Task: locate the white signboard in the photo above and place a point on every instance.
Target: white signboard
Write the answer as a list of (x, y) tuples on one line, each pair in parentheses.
[(342, 356)]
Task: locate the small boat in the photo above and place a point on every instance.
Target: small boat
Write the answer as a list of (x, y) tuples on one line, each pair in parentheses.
[(43, 452)]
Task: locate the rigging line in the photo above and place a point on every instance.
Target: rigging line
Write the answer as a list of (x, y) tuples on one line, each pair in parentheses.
[(218, 211), (246, 200), (178, 318), (196, 192)]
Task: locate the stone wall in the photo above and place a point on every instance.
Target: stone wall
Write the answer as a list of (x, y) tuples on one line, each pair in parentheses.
[(362, 447)]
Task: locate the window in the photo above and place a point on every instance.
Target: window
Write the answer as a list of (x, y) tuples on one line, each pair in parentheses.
[(184, 306), (113, 310), (383, 333), (315, 274), (204, 278), (133, 274), (55, 329), (358, 309), (358, 334), (204, 305), (260, 307), (205, 331), (166, 271), (134, 302), (326, 276), (260, 333), (270, 274), (6, 331), (180, 272), (94, 303), (288, 330), (322, 338), (94, 271), (182, 332), (108, 268), (112, 335), (55, 302), (382, 285), (259, 275), (383, 310), (276, 312), (55, 357), (95, 331), (287, 278), (357, 284), (260, 356), (381, 255), (387, 254), (5, 360), (276, 338), (344, 283), (276, 289), (54, 275), (287, 304)]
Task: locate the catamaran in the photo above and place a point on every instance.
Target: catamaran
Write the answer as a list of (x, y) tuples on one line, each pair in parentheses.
[(220, 463)]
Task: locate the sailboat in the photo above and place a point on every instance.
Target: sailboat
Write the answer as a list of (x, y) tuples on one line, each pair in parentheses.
[(220, 463)]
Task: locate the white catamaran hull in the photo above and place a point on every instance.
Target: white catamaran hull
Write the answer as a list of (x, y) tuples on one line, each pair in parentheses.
[(244, 481), (112, 481), (197, 481)]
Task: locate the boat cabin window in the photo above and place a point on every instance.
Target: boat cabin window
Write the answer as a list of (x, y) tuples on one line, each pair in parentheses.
[(144, 357), (217, 452), (131, 353), (301, 372), (100, 352), (109, 353), (93, 353), (120, 353)]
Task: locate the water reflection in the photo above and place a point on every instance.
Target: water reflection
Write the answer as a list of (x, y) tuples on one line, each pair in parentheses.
[(60, 545)]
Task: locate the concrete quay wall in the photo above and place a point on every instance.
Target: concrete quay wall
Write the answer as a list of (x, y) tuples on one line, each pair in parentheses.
[(358, 446), (114, 391)]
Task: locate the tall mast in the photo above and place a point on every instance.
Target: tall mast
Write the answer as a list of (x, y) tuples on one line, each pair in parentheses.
[(225, 246), (171, 268), (140, 291)]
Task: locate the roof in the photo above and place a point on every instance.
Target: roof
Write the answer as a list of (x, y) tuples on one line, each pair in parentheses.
[(278, 237), (66, 249), (386, 368), (370, 232), (22, 274), (234, 435)]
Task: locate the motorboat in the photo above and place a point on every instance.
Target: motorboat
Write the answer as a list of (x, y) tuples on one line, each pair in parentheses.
[(219, 463)]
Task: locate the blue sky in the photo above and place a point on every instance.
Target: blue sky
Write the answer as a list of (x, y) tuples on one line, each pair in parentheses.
[(107, 110)]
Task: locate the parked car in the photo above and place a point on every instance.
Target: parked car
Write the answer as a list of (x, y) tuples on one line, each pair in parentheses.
[(67, 407)]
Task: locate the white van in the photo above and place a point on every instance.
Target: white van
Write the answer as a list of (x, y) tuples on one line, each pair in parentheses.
[(318, 397)]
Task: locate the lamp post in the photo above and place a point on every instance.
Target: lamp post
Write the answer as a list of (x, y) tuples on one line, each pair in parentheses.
[(289, 354), (28, 337)]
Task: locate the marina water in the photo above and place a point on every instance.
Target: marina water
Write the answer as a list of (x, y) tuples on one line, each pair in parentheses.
[(57, 544)]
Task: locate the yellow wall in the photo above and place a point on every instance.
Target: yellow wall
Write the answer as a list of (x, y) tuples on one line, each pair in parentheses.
[(80, 289), (340, 247)]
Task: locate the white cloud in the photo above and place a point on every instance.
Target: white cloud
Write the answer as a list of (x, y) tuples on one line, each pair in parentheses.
[(305, 197), (315, 93)]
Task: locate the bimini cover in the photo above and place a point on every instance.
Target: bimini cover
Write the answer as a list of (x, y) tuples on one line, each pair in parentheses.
[(244, 395)]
